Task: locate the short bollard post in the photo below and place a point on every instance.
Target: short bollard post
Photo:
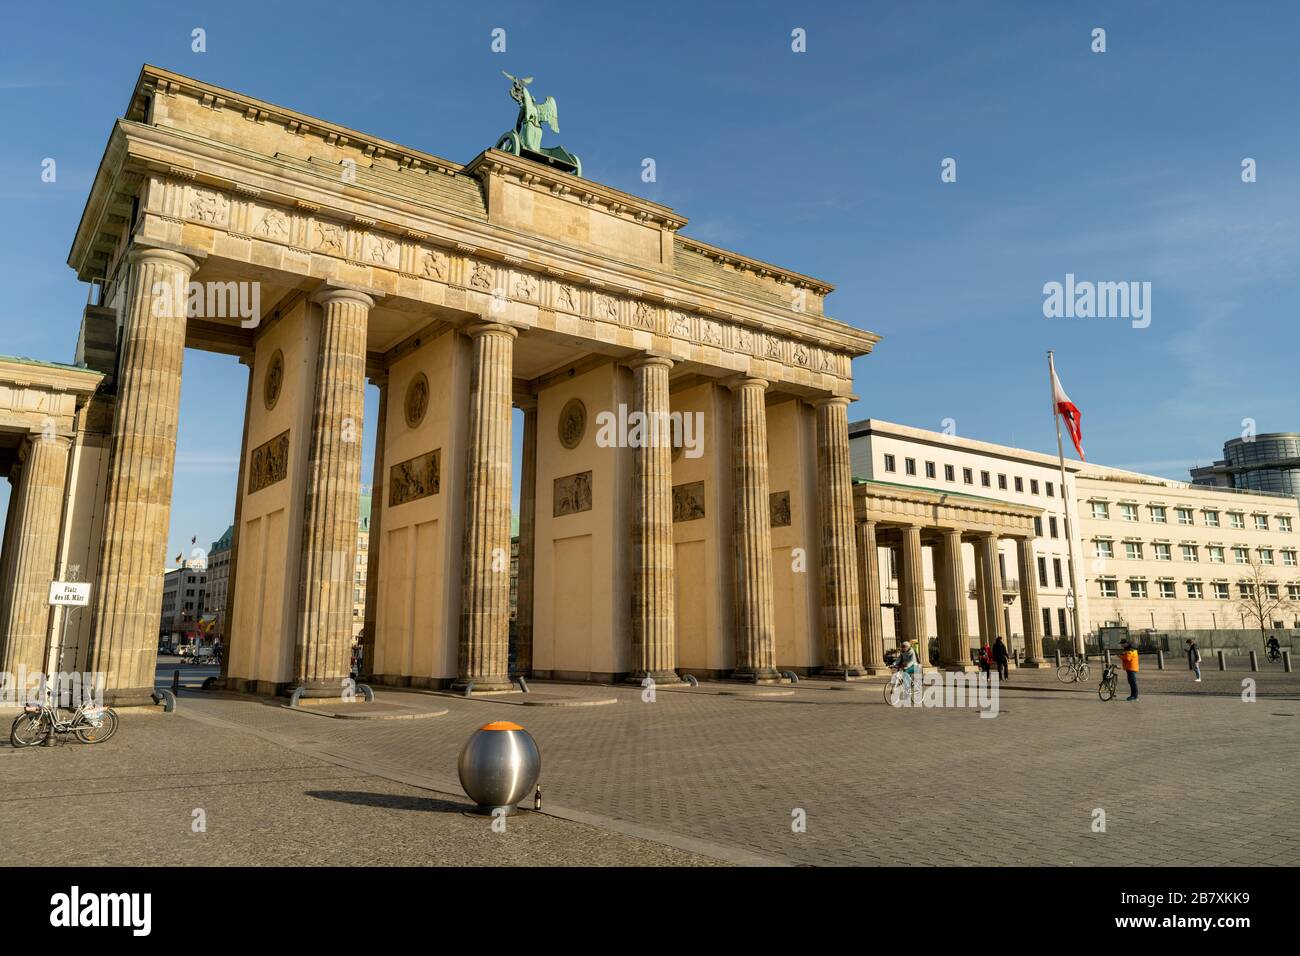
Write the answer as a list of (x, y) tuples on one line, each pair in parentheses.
[(1223, 662), (499, 766), (1286, 662), (176, 682), (1058, 657), (1160, 659), (1105, 655), (1254, 661)]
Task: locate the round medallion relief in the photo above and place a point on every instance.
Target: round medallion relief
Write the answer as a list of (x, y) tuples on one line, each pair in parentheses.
[(573, 422), (417, 400), (274, 380)]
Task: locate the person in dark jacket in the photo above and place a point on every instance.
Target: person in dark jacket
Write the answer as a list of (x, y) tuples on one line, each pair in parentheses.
[(986, 660), (1000, 655), (1194, 659)]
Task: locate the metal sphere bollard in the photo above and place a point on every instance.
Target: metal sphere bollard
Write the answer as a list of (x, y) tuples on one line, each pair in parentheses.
[(499, 766)]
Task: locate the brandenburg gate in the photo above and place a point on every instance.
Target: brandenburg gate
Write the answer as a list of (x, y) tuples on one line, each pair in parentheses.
[(461, 292)]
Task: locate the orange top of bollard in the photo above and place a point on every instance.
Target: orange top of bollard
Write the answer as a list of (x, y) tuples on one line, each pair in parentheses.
[(501, 725)]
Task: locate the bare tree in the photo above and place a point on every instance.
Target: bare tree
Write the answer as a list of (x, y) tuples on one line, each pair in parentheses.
[(1261, 598)]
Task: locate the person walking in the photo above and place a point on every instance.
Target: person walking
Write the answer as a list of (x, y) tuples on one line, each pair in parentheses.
[(1001, 657), (1128, 657), (1194, 659)]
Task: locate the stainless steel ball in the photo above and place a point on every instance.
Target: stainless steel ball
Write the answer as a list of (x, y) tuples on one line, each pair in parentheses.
[(499, 766)]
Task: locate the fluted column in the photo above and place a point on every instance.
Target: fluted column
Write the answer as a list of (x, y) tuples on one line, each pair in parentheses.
[(841, 626), (654, 642), (322, 651), (873, 639), (376, 537), (989, 592), (950, 586), (127, 592), (755, 627), (27, 616), (911, 593), (232, 579), (1029, 610), (10, 547), (527, 539), (484, 657)]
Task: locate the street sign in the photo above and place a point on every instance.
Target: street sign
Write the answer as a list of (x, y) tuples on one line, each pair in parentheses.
[(1069, 600), (65, 593)]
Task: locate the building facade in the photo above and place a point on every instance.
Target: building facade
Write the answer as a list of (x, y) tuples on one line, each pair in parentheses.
[(184, 601), (218, 583), (1268, 462)]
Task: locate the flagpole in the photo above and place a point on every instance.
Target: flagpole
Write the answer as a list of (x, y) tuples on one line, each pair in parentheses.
[(1065, 508)]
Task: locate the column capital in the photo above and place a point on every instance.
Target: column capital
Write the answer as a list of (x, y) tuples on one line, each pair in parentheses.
[(737, 382), (188, 260), (651, 358), (825, 400), (37, 436), (331, 293), (482, 327)]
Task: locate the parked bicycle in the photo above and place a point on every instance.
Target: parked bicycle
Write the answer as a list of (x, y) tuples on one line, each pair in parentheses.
[(89, 723), (1073, 671), (902, 688), (1109, 681)]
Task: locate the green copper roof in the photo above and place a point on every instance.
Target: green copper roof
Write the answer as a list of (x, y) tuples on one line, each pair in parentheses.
[(223, 543), (363, 515)]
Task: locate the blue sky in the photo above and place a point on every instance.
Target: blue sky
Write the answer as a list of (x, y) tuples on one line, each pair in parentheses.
[(1120, 166)]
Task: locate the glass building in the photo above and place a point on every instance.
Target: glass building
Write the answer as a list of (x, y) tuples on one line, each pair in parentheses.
[(1268, 462)]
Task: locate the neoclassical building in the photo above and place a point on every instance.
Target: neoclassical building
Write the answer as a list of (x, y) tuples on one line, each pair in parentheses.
[(462, 292)]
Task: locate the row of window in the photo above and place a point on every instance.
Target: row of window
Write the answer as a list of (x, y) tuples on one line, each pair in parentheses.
[(968, 476), (1136, 551), (1159, 514), (1220, 590)]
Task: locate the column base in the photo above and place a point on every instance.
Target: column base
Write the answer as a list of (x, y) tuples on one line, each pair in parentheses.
[(960, 667), (1033, 665), (130, 697), (493, 683), (760, 675), (877, 670), (319, 689), (842, 673), (659, 677)]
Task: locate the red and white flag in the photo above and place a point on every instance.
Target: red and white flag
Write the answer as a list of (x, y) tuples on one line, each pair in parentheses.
[(1067, 410)]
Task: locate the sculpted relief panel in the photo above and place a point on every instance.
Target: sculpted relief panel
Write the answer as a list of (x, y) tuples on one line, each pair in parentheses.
[(268, 463), (572, 494), (416, 478)]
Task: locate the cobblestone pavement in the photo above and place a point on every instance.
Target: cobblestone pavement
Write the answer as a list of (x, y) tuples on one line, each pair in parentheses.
[(1189, 775), (131, 800)]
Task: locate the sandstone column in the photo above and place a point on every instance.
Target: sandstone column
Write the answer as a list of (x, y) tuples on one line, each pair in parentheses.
[(322, 651), (990, 590), (10, 548), (127, 591), (527, 539), (228, 612), (950, 585), (27, 618), (1029, 610), (377, 503), (841, 625), (654, 643), (484, 657), (873, 641), (755, 629), (911, 593)]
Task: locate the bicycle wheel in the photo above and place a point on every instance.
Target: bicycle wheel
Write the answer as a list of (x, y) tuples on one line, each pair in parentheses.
[(892, 690), (1083, 673), (29, 730), (1106, 689), (1065, 673), (88, 733)]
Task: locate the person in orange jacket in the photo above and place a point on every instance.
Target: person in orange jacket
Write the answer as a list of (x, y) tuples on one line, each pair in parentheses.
[(1128, 657)]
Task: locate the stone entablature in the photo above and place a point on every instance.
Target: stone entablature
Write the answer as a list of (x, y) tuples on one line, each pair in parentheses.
[(42, 396), (895, 504), (226, 201)]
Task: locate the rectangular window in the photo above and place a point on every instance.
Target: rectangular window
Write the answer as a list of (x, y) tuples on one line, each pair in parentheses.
[(949, 473), (1265, 555), (1261, 522), (1284, 523), (1042, 572), (1100, 509), (929, 469), (1162, 552), (1051, 490), (1211, 519), (1289, 559), (1020, 486), (1293, 592), (1220, 590), (1236, 519), (1064, 621), (1167, 589), (1158, 514), (1109, 588), (889, 463), (968, 476), (1002, 482), (1185, 516), (985, 479), (909, 464), (1051, 525), (1104, 548), (1270, 591), (1033, 486), (1137, 589), (1128, 512), (1240, 556), (1189, 553), (1047, 622), (1194, 590), (1246, 589), (1056, 572), (1216, 554), (1133, 550), (1038, 526)]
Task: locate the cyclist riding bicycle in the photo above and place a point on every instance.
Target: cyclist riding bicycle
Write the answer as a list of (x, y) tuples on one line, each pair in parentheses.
[(907, 661)]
